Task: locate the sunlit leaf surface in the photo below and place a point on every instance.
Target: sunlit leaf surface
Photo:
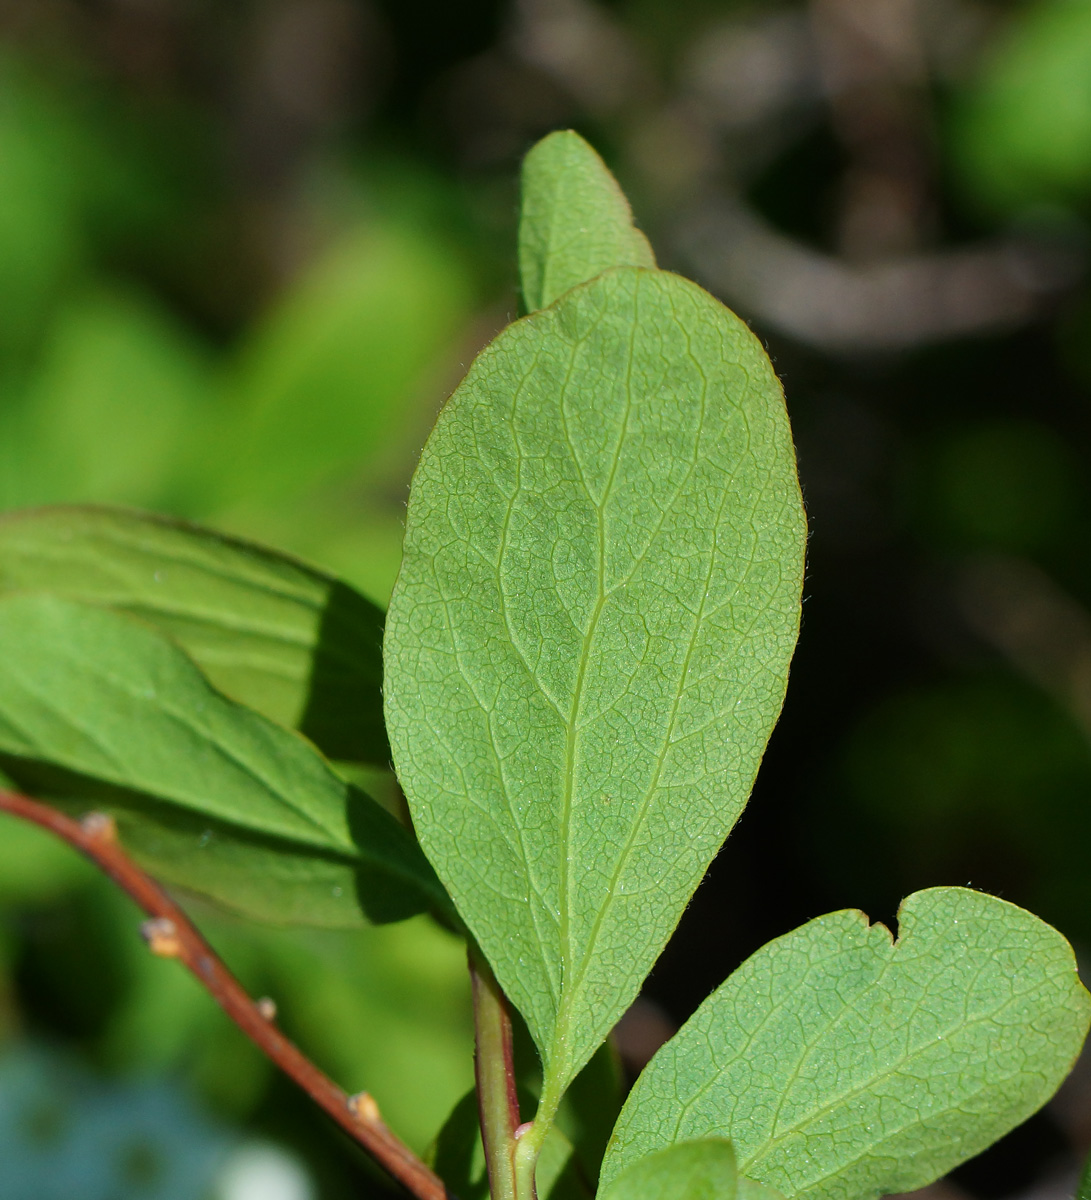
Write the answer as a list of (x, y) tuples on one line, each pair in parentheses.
[(589, 640), (844, 1065)]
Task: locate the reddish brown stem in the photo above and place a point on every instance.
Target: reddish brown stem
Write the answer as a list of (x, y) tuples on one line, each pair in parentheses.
[(171, 934)]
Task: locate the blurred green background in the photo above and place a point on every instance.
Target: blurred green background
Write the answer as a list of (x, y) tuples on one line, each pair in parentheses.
[(247, 249)]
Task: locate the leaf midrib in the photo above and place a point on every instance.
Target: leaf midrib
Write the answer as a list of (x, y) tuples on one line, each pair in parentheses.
[(532, 882), (568, 991), (600, 917)]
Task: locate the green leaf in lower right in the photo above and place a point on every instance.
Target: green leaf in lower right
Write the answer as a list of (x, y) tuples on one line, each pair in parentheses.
[(843, 1064)]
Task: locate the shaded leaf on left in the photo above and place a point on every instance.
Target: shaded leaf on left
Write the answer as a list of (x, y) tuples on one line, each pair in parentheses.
[(100, 710), (269, 631)]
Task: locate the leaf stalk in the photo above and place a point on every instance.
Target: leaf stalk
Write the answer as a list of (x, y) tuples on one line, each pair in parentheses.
[(494, 1071)]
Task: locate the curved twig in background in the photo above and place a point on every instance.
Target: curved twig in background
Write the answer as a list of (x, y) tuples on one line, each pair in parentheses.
[(891, 304), (747, 89)]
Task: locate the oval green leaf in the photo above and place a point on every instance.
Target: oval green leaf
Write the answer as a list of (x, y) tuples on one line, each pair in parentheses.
[(697, 1170), (296, 645), (844, 1065), (100, 710), (574, 222), (589, 640)]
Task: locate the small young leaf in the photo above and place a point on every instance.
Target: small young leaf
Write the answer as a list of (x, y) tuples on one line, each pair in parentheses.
[(98, 699), (278, 636), (697, 1170), (843, 1065), (589, 640), (575, 221)]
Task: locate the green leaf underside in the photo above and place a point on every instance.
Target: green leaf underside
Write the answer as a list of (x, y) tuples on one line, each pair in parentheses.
[(99, 709), (294, 644), (697, 1170), (575, 221), (589, 639), (844, 1066)]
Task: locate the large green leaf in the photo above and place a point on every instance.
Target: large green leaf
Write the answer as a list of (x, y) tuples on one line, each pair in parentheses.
[(844, 1065), (589, 640), (697, 1170), (575, 221), (297, 645), (98, 709)]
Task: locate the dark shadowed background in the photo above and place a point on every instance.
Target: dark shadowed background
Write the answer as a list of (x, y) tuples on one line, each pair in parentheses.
[(247, 249)]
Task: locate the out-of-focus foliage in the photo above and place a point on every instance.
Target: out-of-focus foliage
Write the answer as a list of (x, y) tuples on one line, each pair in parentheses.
[(120, 384), (321, 385), (65, 1132), (62, 1133), (1001, 483), (1024, 129), (111, 390), (971, 770), (246, 251), (387, 1009)]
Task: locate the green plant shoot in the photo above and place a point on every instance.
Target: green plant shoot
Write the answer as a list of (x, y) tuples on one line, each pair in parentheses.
[(584, 656)]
